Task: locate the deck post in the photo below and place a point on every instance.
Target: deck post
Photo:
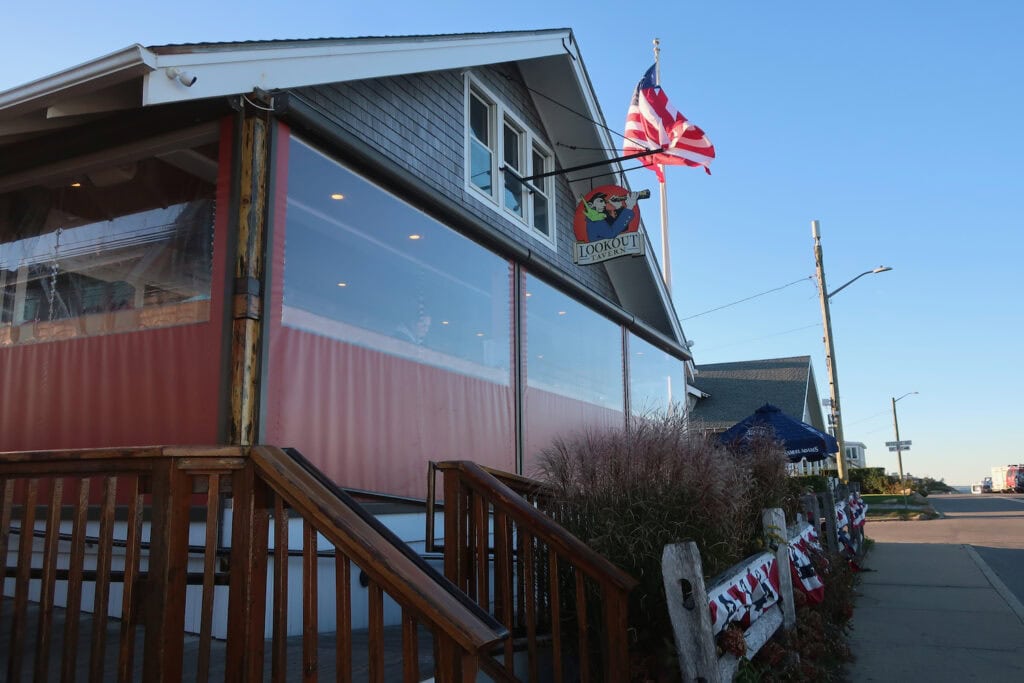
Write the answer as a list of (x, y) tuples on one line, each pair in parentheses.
[(251, 230), (165, 595)]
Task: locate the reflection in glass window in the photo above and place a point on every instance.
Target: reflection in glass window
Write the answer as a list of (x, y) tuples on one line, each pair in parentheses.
[(571, 350), (481, 149), (109, 249), (364, 267), (656, 379), (513, 170), (542, 188), (572, 359)]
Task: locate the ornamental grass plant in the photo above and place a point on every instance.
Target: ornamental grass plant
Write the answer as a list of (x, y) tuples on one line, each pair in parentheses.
[(628, 493)]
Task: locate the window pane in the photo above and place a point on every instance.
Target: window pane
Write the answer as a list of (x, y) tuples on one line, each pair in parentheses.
[(109, 249), (514, 194), (480, 166), (479, 119), (656, 380), (512, 148), (572, 359), (540, 213), (539, 165)]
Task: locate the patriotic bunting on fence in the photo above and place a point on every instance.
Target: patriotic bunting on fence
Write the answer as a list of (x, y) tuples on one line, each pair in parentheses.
[(805, 575), (754, 589)]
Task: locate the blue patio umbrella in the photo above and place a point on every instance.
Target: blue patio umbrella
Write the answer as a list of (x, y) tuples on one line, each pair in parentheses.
[(800, 439)]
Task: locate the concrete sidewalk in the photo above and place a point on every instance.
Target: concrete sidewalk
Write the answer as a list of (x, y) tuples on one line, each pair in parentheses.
[(932, 612)]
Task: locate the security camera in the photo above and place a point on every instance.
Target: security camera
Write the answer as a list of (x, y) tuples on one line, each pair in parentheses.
[(186, 78)]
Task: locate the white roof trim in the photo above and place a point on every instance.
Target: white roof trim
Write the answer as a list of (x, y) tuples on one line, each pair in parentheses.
[(694, 391), (233, 68), (241, 70), (99, 73)]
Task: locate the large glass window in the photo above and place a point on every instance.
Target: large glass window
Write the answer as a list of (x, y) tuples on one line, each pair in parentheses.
[(394, 344), (656, 379), (108, 247), (363, 267), (572, 359)]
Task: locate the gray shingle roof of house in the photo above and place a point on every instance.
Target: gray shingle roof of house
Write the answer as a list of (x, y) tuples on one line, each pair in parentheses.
[(738, 389)]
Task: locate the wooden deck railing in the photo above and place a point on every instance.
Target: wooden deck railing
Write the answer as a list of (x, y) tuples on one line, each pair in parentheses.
[(133, 507), (535, 577)]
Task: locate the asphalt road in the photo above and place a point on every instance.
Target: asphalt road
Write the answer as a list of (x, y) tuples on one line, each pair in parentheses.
[(993, 524)]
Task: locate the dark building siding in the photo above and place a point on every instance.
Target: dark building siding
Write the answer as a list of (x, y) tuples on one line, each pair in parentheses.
[(417, 121)]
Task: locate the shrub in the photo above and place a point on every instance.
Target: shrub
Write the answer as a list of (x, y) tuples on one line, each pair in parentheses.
[(629, 493), (871, 479)]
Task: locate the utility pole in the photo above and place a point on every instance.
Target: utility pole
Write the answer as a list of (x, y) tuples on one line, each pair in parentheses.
[(899, 449), (830, 355)]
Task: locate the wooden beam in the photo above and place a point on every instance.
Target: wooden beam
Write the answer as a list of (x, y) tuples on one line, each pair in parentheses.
[(247, 305)]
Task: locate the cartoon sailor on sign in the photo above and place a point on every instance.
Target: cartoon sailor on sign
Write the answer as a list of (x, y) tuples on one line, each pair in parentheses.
[(607, 224)]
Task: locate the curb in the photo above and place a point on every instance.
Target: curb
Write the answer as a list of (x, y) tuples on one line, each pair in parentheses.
[(993, 578)]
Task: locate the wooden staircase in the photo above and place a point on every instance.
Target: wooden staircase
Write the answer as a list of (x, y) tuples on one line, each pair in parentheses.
[(171, 564)]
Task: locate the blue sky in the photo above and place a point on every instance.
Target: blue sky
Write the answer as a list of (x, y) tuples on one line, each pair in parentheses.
[(896, 124)]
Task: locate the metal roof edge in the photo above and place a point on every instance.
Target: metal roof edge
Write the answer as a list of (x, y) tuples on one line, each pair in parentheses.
[(114, 67)]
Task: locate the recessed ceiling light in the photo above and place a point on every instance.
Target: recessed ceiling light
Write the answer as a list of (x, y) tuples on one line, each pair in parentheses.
[(529, 294), (444, 322), (343, 284), (639, 353), (337, 196), (561, 313), (76, 184), (414, 236), (479, 334)]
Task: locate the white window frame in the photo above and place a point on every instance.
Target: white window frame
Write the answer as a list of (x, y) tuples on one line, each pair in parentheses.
[(498, 117)]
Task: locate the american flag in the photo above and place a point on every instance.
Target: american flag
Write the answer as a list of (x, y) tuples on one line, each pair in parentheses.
[(653, 123)]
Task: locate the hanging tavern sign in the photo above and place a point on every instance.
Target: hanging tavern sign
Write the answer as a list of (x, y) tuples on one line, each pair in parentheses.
[(607, 225)]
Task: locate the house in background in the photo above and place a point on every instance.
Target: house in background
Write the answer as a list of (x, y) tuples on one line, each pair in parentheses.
[(733, 391), (855, 454)]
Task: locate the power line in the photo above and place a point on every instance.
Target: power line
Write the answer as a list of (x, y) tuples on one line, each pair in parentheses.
[(869, 417), (718, 308), (767, 336)]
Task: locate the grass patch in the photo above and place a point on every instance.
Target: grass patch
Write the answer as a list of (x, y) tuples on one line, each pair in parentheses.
[(911, 513), (882, 498)]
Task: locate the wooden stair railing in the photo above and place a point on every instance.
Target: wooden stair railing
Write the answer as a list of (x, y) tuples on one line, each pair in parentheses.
[(537, 578), (90, 512)]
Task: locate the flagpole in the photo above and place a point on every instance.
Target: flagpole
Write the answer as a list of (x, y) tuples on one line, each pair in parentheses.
[(666, 265)]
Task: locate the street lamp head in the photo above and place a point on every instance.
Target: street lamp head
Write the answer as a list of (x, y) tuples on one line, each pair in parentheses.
[(909, 393), (879, 269)]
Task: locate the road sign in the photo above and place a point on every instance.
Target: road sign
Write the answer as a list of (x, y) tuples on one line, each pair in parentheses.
[(901, 444), (893, 449)]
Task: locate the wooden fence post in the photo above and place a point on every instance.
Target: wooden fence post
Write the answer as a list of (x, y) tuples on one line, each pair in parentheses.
[(774, 521), (812, 508), (687, 600), (831, 537)]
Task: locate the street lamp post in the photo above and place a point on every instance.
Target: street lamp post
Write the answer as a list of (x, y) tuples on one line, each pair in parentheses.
[(830, 353), (896, 426)]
